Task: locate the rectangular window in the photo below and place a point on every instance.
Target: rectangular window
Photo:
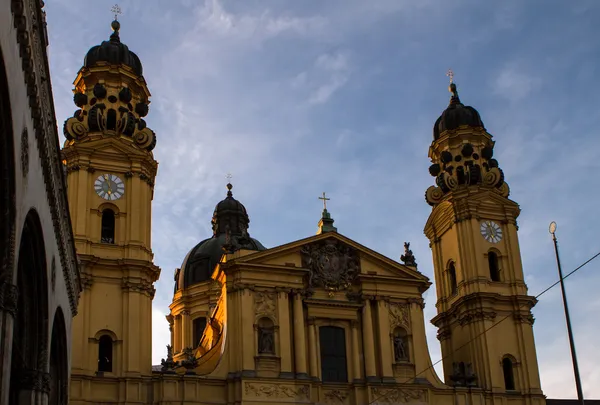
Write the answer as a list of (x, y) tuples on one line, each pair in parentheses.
[(332, 340)]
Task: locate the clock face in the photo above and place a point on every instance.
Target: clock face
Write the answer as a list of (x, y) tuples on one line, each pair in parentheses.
[(491, 231), (109, 187)]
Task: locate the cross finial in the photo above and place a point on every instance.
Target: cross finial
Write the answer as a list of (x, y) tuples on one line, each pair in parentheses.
[(229, 177), (325, 199), (116, 10), (450, 74)]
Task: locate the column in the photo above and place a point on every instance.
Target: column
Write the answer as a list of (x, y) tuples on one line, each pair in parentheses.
[(368, 342), (285, 337), (385, 351), (299, 337), (355, 351), (312, 347), (185, 327), (248, 348)]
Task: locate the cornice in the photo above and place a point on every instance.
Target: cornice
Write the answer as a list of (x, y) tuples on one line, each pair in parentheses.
[(30, 28)]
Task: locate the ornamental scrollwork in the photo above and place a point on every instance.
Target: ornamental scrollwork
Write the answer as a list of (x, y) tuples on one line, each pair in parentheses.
[(336, 397), (264, 304), (399, 316), (398, 395), (333, 265), (301, 392), (473, 316)]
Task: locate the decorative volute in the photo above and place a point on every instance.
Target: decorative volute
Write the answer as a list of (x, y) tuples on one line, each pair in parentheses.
[(462, 153), (112, 96)]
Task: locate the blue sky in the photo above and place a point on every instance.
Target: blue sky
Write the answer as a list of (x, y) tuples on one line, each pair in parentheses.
[(297, 98)]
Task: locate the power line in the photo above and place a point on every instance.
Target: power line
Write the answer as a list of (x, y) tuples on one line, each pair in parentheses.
[(486, 330)]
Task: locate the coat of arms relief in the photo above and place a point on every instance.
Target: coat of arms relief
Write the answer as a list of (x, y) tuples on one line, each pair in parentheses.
[(333, 265)]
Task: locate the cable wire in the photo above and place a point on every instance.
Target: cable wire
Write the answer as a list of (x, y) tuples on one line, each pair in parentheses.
[(486, 330)]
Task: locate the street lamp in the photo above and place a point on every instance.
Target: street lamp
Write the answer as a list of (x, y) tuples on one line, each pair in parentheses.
[(552, 230)]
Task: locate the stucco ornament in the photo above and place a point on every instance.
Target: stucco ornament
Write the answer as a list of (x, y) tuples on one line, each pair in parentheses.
[(332, 264), (398, 395), (264, 303), (399, 316), (277, 390)]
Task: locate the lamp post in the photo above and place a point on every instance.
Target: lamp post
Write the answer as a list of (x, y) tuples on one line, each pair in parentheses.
[(552, 230)]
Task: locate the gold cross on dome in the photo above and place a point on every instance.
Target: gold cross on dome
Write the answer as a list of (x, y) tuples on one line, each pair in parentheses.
[(450, 74), (116, 10), (325, 199)]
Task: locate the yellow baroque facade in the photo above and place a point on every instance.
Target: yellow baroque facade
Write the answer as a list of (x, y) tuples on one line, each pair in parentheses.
[(319, 320)]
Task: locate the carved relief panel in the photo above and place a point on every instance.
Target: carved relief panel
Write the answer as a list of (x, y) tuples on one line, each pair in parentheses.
[(333, 265)]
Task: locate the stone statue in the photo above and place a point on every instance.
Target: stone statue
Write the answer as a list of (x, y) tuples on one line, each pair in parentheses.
[(168, 364), (400, 353), (408, 258), (266, 340), (190, 362)]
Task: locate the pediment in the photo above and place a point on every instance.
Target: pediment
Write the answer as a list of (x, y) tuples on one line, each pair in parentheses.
[(333, 260), (111, 146)]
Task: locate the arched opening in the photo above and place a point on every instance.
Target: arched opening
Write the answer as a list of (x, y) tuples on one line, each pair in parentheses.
[(266, 336), (199, 324), (332, 340), (7, 173), (108, 226), (59, 361), (452, 278), (105, 354), (30, 336), (493, 265), (509, 375), (401, 345)]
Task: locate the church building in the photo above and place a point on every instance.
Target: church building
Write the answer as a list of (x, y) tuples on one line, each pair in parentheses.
[(319, 320)]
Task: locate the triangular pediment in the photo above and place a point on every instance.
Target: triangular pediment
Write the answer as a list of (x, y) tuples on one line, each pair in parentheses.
[(334, 253)]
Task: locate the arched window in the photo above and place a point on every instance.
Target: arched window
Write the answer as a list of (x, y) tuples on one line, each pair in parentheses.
[(452, 278), (509, 375), (105, 353), (332, 340), (198, 330), (108, 226), (400, 345), (266, 336), (494, 268)]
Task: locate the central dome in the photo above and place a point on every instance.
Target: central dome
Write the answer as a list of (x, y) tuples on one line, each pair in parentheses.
[(230, 232)]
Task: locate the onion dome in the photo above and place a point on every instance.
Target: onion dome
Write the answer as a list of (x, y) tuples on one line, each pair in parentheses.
[(456, 115), (230, 233), (113, 52)]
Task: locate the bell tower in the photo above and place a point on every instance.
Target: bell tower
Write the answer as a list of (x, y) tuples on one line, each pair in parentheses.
[(484, 318), (110, 176)]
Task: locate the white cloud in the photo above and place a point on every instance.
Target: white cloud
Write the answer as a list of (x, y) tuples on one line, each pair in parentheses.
[(514, 84)]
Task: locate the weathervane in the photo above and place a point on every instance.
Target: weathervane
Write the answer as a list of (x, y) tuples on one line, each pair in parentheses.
[(325, 199), (116, 10), (450, 74)]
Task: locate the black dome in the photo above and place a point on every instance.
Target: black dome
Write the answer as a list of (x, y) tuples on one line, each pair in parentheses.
[(114, 52), (230, 231), (456, 115)]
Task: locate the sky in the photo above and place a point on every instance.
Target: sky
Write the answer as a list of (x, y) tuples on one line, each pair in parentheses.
[(297, 98)]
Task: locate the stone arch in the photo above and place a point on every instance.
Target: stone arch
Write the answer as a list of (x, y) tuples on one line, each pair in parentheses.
[(401, 345), (7, 185), (107, 354), (509, 363), (59, 361), (29, 363), (265, 327), (493, 258), (452, 277)]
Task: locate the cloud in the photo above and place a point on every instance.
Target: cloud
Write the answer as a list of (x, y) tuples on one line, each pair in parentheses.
[(513, 83)]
